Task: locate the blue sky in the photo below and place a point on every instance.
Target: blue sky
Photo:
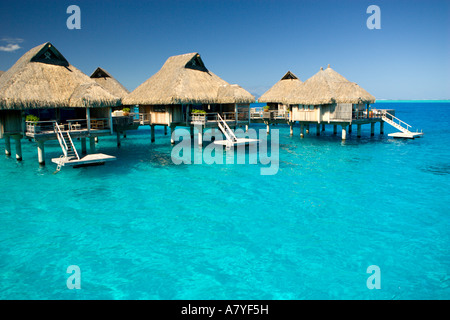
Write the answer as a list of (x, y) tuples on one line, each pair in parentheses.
[(251, 43)]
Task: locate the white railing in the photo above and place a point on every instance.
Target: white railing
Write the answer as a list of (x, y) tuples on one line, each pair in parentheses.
[(203, 118), (229, 134), (271, 114), (198, 118), (402, 125), (63, 145), (62, 141), (39, 126), (73, 146), (144, 118)]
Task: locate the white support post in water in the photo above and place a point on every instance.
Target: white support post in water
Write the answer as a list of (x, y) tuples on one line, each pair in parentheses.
[(344, 132), (302, 130), (7, 145), (291, 128), (41, 152), (18, 147)]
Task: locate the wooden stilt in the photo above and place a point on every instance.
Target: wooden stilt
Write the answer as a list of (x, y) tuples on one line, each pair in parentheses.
[(152, 132), (18, 147), (172, 130), (92, 144), (350, 129), (41, 152), (323, 126), (302, 130), (307, 128), (118, 137), (372, 128), (318, 129), (291, 128), (83, 146), (358, 131), (334, 129), (7, 145), (382, 127), (165, 130)]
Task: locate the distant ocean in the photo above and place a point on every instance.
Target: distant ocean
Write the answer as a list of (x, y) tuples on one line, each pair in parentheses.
[(144, 228)]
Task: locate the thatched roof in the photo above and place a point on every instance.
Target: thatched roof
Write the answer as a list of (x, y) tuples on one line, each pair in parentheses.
[(233, 93), (102, 77), (43, 78), (280, 90), (1, 72), (184, 79), (326, 87)]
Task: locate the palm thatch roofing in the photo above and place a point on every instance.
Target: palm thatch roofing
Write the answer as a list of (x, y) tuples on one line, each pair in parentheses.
[(327, 87), (1, 72), (43, 78), (103, 78), (184, 79), (280, 90)]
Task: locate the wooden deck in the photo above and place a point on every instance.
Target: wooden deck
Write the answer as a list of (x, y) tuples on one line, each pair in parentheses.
[(406, 135), (86, 160), (240, 141)]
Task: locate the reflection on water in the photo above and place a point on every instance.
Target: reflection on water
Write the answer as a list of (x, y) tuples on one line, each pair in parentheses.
[(438, 169)]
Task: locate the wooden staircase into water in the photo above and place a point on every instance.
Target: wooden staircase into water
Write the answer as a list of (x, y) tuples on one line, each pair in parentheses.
[(231, 139), (400, 125), (70, 155)]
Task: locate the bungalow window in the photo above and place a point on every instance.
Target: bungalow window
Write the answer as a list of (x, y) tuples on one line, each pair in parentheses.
[(159, 109)]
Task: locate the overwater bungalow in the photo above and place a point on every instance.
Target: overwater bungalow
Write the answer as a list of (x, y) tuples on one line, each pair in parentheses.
[(274, 97), (64, 103), (122, 121), (185, 93), (329, 98), (108, 82)]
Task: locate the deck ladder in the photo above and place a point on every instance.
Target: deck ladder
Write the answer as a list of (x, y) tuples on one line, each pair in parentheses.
[(66, 143), (395, 122), (223, 126)]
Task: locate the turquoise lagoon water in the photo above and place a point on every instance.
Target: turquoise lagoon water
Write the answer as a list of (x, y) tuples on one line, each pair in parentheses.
[(145, 228)]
